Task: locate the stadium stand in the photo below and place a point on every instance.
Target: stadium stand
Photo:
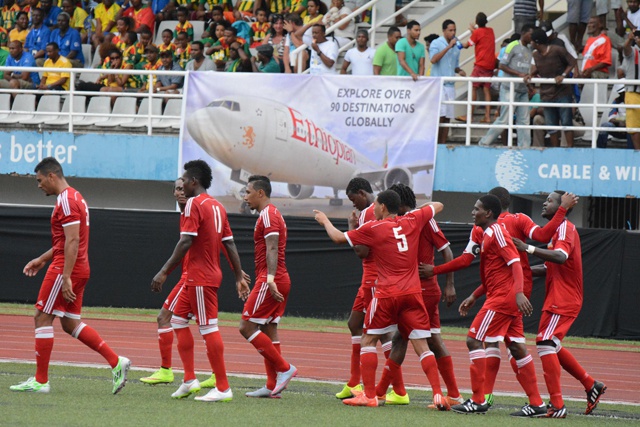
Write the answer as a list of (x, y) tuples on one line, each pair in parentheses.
[(125, 107), (79, 107), (141, 119), (47, 104), (23, 107)]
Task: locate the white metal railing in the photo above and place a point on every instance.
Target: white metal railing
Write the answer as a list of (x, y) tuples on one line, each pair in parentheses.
[(596, 108)]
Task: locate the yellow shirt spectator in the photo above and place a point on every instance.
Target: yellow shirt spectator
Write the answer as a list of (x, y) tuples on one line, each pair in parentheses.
[(54, 76), (106, 15), (77, 20), (18, 35)]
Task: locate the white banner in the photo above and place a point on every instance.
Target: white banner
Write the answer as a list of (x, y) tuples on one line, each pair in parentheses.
[(311, 134)]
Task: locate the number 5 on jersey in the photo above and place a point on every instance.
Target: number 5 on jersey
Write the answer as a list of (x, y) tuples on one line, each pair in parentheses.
[(403, 246)]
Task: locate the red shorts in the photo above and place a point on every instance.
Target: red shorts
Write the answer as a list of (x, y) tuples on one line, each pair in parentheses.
[(261, 308), (491, 326), (553, 326), (201, 301), (432, 304), (170, 302), (405, 313), (50, 300), (363, 299), (481, 72)]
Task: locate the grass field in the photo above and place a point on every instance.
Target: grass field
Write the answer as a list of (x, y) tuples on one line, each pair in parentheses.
[(81, 397)]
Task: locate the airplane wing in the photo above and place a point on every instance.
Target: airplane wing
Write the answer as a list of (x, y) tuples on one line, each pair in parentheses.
[(382, 179)]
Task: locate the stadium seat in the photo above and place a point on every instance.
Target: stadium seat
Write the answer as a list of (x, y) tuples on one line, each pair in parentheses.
[(5, 105), (86, 52), (173, 108), (166, 25), (23, 107), (142, 119), (125, 106), (97, 105), (79, 107), (198, 29), (47, 104), (95, 61)]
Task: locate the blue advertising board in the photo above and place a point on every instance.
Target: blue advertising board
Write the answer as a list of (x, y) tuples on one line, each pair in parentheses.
[(112, 156), (583, 171)]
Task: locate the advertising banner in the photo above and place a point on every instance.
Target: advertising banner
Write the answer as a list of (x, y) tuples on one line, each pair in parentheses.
[(311, 134)]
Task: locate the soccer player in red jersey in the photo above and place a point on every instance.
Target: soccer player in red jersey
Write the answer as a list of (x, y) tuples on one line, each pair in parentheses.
[(164, 375), (431, 236), (562, 303), (265, 306), (397, 303), (501, 315), (204, 230), (64, 283), (520, 226)]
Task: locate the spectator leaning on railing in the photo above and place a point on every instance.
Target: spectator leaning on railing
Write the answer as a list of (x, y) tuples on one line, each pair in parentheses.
[(14, 79), (360, 58), (411, 53), (385, 61), (631, 67)]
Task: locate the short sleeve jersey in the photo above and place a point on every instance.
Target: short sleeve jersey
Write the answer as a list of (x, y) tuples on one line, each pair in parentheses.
[(520, 226), (206, 220), (412, 56), (497, 254), (484, 41), (270, 223), (564, 291), (369, 269), (71, 209), (596, 51), (431, 238), (396, 242), (517, 57)]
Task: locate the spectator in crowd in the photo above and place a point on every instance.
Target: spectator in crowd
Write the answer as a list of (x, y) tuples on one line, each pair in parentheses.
[(525, 12), (51, 13), (385, 61), (603, 7), (21, 29), (344, 33), (536, 116), (631, 17), (223, 44), (631, 67), (616, 119), (557, 39), (596, 57), (298, 7), (553, 62), (411, 53), (157, 6), (30, 5), (4, 55), (38, 37), (324, 52), (515, 63), (142, 16), (484, 40), (130, 51), (183, 51), (8, 14), (145, 38), (277, 37), (168, 84), (4, 37), (105, 15), (170, 11), (260, 28), (78, 16), (246, 10), (55, 80), (264, 63), (198, 61), (183, 25), (445, 60), (225, 6), (14, 79), (275, 6), (578, 14), (427, 44), (360, 58), (111, 82), (238, 59), (311, 18), (292, 24), (124, 24), (69, 41), (150, 62), (167, 42), (217, 17)]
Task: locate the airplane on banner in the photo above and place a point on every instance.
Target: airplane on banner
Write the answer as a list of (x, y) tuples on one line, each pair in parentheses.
[(253, 135)]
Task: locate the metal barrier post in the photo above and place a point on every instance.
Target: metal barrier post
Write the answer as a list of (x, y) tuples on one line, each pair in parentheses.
[(594, 118), (72, 89), (469, 112), (510, 115)]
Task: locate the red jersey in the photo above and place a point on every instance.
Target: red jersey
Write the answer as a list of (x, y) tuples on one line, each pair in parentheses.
[(206, 220), (564, 281), (597, 50), (396, 241), (369, 269), (484, 40), (431, 237), (497, 253), (70, 209), (185, 259), (270, 223)]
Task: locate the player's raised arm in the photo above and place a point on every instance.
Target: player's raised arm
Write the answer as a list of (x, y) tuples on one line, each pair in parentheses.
[(544, 234), (334, 234)]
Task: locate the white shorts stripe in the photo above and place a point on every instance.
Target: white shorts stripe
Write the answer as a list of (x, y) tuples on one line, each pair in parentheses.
[(551, 328), (484, 326), (202, 312), (53, 295), (175, 300)]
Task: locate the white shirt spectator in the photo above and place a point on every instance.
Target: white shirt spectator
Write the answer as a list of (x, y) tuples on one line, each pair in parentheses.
[(328, 49), (361, 62)]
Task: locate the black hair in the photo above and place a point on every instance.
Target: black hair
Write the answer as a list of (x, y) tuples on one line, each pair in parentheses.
[(392, 30), (199, 44), (357, 184), (261, 182), (561, 193), (167, 31), (430, 38), (19, 14), (132, 36), (183, 10), (504, 196), (540, 37), (233, 29), (217, 8), (446, 23), (481, 19), (514, 37), (49, 165), (199, 170), (407, 196), (324, 29), (294, 18), (412, 24), (128, 21), (145, 30), (526, 28), (491, 203), (53, 45), (390, 199)]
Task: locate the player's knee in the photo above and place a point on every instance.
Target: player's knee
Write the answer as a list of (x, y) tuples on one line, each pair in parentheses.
[(518, 350), (355, 324), (473, 344), (247, 328), (164, 319)]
